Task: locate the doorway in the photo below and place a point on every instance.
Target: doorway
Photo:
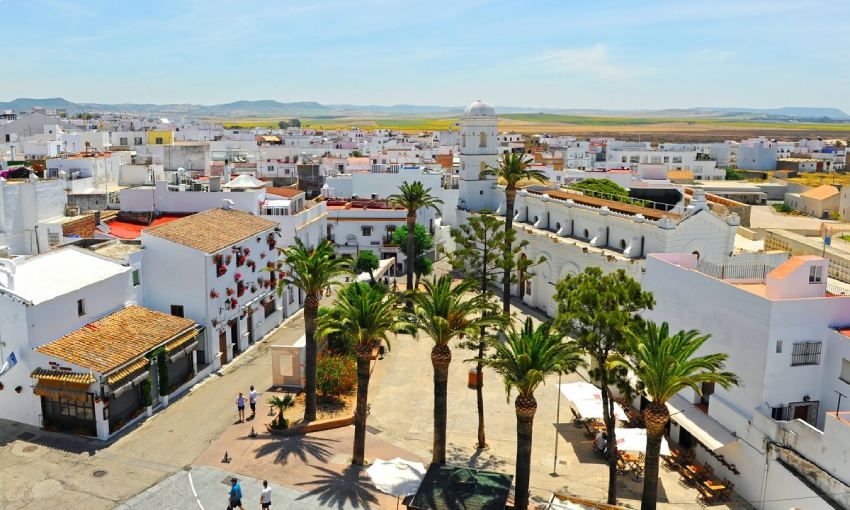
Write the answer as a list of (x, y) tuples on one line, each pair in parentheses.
[(234, 335), (522, 276), (222, 347), (250, 325)]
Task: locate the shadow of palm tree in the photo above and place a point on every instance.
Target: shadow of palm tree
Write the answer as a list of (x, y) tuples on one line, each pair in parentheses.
[(349, 489), (477, 459), (305, 448)]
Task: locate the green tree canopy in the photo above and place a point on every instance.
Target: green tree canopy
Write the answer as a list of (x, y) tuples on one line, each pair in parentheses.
[(422, 240), (366, 262), (601, 186), (597, 310)]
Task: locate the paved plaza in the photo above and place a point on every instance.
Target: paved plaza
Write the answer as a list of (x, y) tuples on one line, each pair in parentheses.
[(157, 464)]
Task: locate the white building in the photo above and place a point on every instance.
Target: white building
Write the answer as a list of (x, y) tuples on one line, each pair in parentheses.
[(479, 148), (757, 154), (43, 298), (776, 435), (31, 214), (209, 267), (297, 217)]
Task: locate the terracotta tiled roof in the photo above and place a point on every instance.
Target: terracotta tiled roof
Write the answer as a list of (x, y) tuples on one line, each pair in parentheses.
[(284, 192), (652, 214), (821, 192), (109, 343), (791, 265), (60, 376), (212, 230)]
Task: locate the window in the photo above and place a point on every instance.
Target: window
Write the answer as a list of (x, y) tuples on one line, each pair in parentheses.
[(366, 231), (177, 310), (137, 140), (123, 141), (483, 140), (158, 140), (69, 408), (816, 274), (806, 353), (136, 279), (81, 307), (779, 347), (291, 294), (53, 238), (269, 307), (845, 370)]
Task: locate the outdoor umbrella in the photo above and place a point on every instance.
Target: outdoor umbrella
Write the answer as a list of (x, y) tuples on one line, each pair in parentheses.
[(580, 391), (397, 477), (634, 440), (592, 408)]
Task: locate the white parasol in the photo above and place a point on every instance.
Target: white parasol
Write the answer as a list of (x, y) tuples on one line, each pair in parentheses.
[(398, 477), (634, 440), (592, 408)]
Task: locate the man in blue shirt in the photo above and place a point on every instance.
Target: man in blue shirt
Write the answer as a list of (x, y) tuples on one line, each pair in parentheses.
[(235, 494)]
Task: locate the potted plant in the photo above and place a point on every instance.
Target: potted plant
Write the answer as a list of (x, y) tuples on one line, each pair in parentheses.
[(213, 294), (147, 399), (246, 251), (281, 404), (238, 277), (229, 291), (221, 270)]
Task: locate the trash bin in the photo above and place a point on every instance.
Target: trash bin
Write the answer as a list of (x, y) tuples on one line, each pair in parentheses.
[(472, 378)]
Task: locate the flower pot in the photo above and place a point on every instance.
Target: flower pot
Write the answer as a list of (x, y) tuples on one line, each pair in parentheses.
[(472, 378)]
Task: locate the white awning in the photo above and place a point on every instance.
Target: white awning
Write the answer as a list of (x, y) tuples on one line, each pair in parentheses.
[(703, 427)]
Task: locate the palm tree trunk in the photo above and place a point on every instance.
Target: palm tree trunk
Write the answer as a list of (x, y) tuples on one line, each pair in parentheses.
[(364, 360), (411, 225), (655, 416), (525, 408), (479, 392), (510, 196), (311, 310), (612, 435), (441, 356)]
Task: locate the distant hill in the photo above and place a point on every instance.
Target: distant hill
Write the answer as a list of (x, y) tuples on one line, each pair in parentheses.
[(270, 107)]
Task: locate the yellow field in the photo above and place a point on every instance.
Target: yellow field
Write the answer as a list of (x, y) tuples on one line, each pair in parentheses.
[(668, 129)]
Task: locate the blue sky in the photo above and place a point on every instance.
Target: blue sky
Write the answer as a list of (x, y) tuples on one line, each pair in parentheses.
[(570, 54)]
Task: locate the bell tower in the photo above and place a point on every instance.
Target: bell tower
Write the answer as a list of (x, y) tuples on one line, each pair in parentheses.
[(479, 148)]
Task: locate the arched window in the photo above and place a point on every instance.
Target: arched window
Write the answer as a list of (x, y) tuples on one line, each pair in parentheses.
[(622, 244), (483, 142), (586, 234), (696, 253), (557, 227)]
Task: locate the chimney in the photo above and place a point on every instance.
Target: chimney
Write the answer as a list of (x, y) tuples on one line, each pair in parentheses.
[(227, 204), (215, 183)]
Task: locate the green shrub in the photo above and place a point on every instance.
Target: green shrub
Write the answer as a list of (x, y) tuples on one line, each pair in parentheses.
[(335, 374), (145, 387), (162, 371), (783, 208)]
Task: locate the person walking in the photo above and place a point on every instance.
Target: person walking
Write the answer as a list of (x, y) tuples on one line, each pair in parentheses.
[(266, 496), (252, 401), (235, 495), (240, 407)]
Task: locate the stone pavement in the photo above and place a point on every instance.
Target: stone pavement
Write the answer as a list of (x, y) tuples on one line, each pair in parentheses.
[(206, 488)]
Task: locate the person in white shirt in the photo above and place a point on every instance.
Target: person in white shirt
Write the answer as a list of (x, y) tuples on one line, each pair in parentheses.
[(266, 496), (252, 400)]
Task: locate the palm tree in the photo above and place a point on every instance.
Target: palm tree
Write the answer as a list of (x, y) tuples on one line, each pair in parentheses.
[(445, 313), (365, 315), (312, 270), (281, 404), (666, 365), (524, 361), (412, 197), (513, 168)]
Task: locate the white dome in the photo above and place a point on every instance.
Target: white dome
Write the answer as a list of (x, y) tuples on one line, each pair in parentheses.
[(479, 109)]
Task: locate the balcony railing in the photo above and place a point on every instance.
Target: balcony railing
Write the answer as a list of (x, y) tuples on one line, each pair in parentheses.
[(735, 271)]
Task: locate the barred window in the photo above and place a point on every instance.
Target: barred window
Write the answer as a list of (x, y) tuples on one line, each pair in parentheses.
[(806, 353)]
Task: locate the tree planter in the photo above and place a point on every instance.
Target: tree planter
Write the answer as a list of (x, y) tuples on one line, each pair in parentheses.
[(149, 411), (164, 400), (472, 378)]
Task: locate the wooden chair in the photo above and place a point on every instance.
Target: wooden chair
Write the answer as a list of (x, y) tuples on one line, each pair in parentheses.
[(589, 432), (687, 475), (708, 471), (577, 421), (729, 490), (705, 494)]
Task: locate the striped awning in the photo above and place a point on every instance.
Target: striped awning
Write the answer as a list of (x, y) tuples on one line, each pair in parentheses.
[(182, 341), (130, 371), (56, 384), (63, 378)]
